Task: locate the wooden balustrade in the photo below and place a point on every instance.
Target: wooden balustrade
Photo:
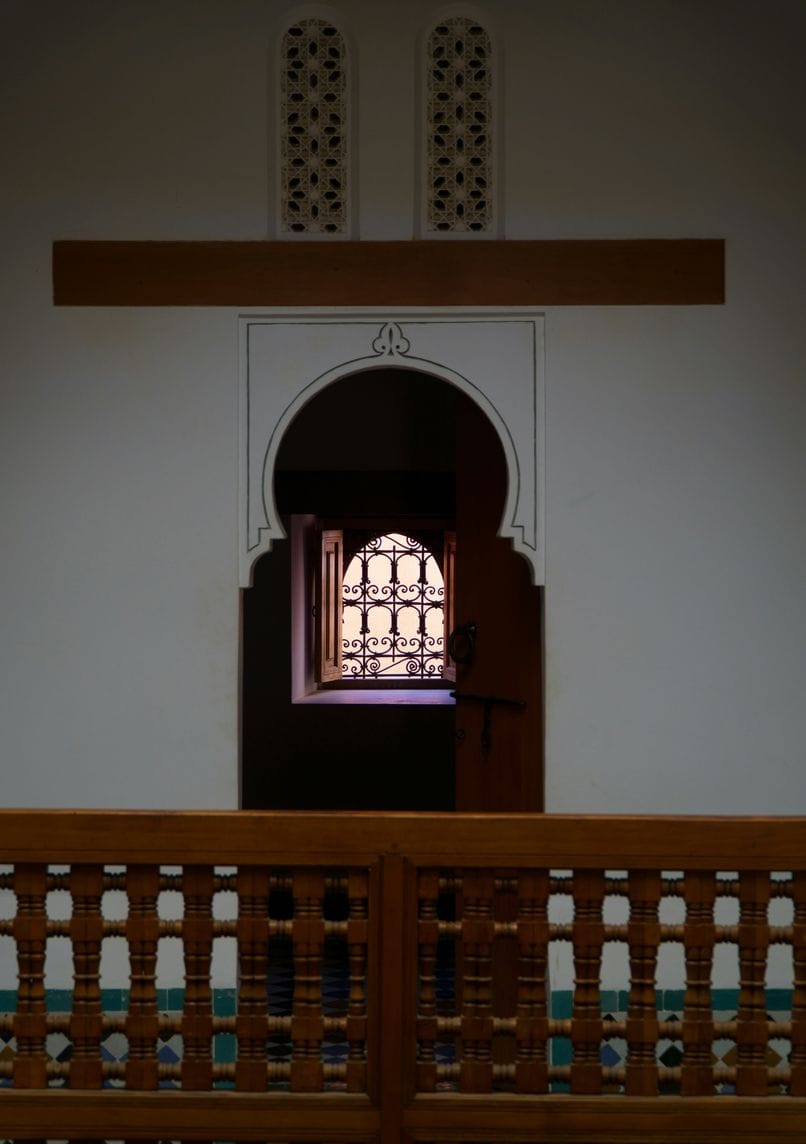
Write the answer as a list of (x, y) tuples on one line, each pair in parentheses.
[(402, 978)]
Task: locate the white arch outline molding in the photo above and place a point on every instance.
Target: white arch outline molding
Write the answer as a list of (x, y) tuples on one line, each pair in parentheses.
[(494, 357)]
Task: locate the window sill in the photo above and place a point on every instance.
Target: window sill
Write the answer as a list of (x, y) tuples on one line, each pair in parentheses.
[(376, 697)]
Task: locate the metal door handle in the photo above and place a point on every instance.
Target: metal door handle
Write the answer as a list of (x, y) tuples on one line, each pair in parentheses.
[(462, 643), (489, 702)]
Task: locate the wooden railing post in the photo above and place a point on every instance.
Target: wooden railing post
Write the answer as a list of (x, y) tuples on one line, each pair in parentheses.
[(30, 933), (478, 933), (642, 1018), (531, 1030), (394, 1073), (197, 1016), (142, 931), (586, 1021), (306, 1022), (86, 932), (427, 942), (698, 1018), (754, 896), (357, 939), (253, 944), (797, 1056)]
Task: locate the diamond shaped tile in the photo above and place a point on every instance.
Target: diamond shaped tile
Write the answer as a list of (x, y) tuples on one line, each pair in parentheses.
[(59, 1047), (115, 1047), (671, 1057), (609, 1055), (170, 1051)]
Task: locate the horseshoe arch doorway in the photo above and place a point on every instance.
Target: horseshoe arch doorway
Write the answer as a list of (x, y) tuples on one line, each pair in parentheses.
[(388, 446)]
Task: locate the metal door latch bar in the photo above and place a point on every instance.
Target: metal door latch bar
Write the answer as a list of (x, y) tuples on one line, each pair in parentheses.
[(489, 702)]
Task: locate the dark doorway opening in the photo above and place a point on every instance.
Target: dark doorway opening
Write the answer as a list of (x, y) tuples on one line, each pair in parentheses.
[(384, 445)]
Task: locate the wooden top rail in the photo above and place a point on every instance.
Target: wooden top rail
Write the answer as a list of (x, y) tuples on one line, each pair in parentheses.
[(289, 838)]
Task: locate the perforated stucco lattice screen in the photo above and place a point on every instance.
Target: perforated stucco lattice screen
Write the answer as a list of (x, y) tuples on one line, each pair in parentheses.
[(314, 130), (459, 114)]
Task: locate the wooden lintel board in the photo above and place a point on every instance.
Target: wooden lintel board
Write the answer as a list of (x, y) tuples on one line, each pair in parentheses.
[(505, 273), (357, 838)]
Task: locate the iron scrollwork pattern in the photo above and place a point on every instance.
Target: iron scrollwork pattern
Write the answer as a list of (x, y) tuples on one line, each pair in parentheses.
[(393, 600), (459, 151), (313, 131)]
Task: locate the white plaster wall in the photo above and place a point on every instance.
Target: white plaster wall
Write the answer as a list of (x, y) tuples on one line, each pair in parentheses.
[(676, 438)]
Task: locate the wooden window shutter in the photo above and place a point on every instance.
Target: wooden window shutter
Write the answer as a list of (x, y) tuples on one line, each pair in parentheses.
[(328, 607), (448, 578)]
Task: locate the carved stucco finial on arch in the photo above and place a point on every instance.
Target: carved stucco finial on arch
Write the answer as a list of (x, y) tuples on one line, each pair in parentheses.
[(391, 341), (494, 358)]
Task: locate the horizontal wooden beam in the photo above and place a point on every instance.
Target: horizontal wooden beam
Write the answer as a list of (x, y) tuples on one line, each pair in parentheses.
[(623, 272), (278, 1116), (37, 1113), (176, 838), (607, 1120)]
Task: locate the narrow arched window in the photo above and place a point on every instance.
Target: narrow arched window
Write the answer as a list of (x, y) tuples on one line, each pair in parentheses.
[(384, 605), (459, 167), (393, 601), (314, 130)]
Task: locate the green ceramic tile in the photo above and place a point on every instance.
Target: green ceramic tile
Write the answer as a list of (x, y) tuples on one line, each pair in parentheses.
[(225, 1047), (609, 1001), (673, 1000), (59, 1000), (722, 999), (114, 1000), (176, 1000), (171, 1000), (8, 1000), (224, 1002), (779, 999), (561, 1003)]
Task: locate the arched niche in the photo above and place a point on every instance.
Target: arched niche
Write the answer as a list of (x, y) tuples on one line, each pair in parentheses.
[(495, 358)]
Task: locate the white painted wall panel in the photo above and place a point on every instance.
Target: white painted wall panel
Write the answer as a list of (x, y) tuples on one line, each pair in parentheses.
[(675, 438)]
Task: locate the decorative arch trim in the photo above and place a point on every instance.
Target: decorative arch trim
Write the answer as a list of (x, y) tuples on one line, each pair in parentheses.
[(496, 359)]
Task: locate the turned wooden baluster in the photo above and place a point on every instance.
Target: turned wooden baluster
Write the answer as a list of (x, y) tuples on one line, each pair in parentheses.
[(86, 934), (197, 1016), (797, 1055), (308, 929), (586, 1019), (251, 1025), (643, 935), (531, 1063), (478, 933), (751, 1035), (698, 1020), (357, 936), (30, 934), (427, 940), (142, 1021)]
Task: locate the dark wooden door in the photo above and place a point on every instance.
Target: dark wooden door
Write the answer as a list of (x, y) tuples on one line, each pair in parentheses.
[(499, 749)]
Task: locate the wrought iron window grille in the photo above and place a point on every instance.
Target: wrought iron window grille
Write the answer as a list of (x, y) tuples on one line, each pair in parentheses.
[(393, 601), (383, 603)]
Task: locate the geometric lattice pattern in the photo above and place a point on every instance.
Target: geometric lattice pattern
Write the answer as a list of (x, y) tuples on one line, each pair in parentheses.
[(296, 1019), (514, 955), (459, 122), (314, 143), (169, 1047), (486, 1021)]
